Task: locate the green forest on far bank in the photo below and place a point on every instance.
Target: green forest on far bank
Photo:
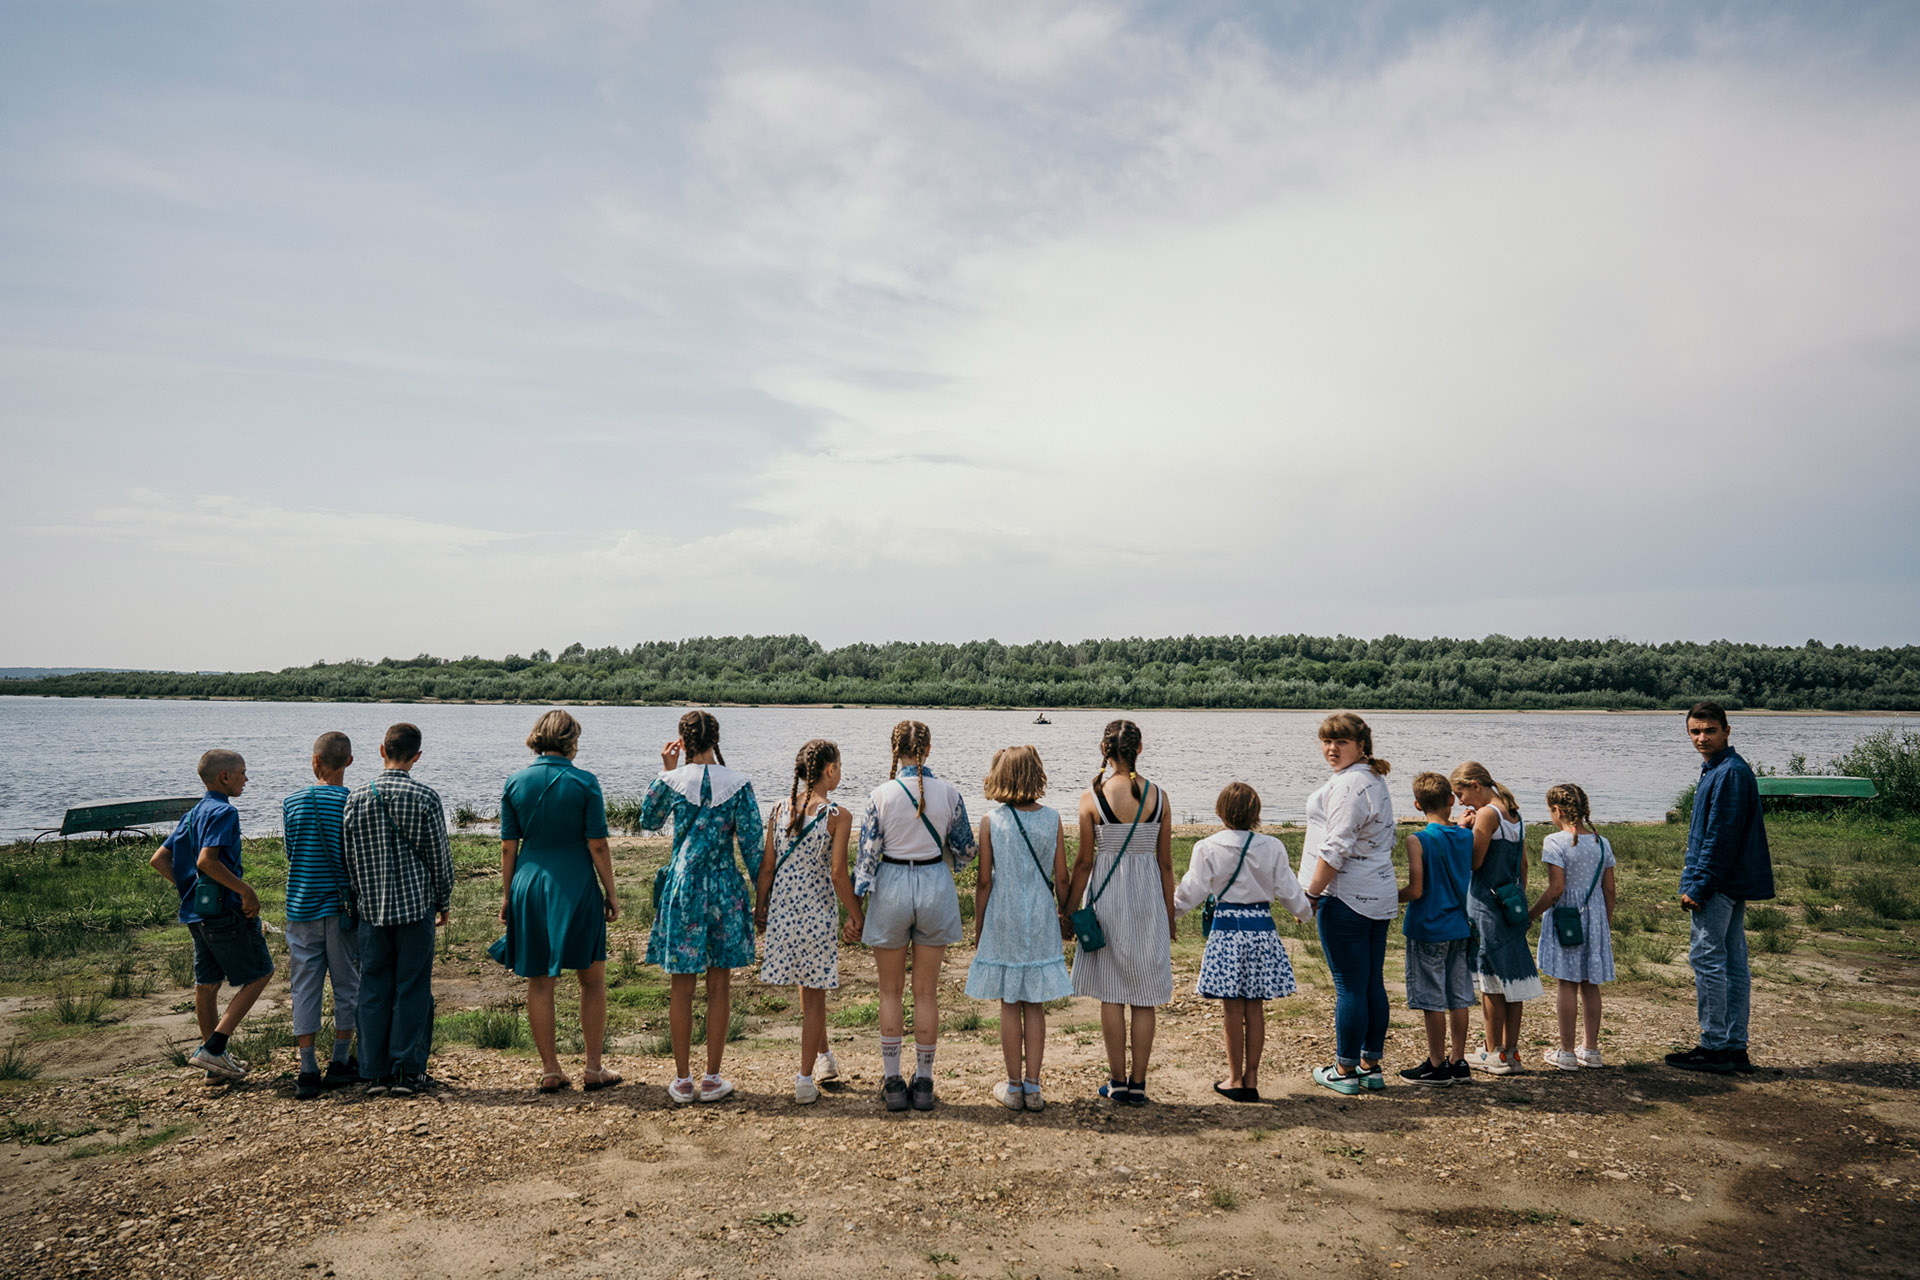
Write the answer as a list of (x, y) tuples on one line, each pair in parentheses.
[(1190, 671)]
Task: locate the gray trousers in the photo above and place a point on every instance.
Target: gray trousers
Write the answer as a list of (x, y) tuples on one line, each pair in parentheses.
[(319, 951)]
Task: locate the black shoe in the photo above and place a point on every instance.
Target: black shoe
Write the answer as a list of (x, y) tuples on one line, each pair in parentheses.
[(921, 1093), (893, 1092), (1427, 1073), (1137, 1093), (419, 1082), (307, 1085), (377, 1087), (1701, 1058), (1741, 1062), (1460, 1071), (341, 1074), (401, 1085)]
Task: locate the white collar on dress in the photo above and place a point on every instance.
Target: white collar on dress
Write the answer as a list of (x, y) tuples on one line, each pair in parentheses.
[(686, 780)]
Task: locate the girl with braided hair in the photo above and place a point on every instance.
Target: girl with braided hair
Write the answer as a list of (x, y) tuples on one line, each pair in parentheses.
[(1503, 963), (1579, 877), (802, 872), (914, 839), (1124, 871), (703, 921)]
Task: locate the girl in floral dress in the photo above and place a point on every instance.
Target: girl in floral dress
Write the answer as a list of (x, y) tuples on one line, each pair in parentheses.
[(702, 920), (802, 873)]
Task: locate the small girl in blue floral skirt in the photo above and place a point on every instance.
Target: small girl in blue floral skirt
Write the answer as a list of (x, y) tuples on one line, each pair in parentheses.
[(1245, 964)]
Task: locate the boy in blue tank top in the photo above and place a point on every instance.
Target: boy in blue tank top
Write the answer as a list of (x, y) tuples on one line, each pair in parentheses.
[(1439, 979)]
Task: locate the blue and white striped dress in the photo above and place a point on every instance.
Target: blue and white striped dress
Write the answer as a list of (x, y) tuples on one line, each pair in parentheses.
[(1136, 965)]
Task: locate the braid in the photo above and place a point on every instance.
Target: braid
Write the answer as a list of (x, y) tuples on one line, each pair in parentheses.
[(914, 741), (1120, 745), (808, 767), (701, 732), (1572, 800)]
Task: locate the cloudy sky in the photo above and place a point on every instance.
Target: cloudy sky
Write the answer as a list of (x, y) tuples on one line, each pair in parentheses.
[(357, 329)]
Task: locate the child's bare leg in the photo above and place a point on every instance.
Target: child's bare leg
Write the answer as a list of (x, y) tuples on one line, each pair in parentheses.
[(1566, 997), (1144, 1022), (1590, 1008), (593, 1012), (1012, 1029), (540, 990), (890, 964), (679, 1021), (1113, 1030), (926, 993), (1493, 1013), (719, 1013), (1461, 1023), (206, 1008), (1436, 1020), (1256, 1042), (813, 1026), (1233, 1015), (1510, 1038), (242, 1001), (1035, 1017)]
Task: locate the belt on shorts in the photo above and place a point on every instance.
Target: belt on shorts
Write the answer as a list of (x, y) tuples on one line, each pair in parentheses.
[(910, 862)]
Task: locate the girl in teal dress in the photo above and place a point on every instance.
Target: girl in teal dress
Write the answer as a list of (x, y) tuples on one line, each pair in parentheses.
[(559, 897), (703, 912)]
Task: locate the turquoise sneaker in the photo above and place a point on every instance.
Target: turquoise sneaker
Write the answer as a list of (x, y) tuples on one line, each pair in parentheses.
[(1332, 1078), (1372, 1077)]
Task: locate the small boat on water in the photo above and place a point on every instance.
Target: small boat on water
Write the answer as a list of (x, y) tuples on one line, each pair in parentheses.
[(1042, 719)]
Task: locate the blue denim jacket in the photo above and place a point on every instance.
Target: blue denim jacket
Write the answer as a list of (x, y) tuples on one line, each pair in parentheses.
[(1727, 843)]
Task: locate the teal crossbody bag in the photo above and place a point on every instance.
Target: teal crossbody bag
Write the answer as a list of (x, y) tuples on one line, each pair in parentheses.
[(1566, 920), (1086, 925)]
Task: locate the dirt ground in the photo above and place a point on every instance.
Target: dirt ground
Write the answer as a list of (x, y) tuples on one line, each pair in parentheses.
[(125, 1166)]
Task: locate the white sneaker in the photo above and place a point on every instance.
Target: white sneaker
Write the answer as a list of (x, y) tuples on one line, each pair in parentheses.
[(1494, 1064), (1034, 1101), (219, 1064), (1588, 1057), (805, 1091), (1009, 1096), (1561, 1058), (681, 1092), (825, 1068), (713, 1088)]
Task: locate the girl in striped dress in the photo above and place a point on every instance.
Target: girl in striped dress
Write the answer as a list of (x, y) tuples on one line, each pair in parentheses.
[(802, 873), (1124, 871)]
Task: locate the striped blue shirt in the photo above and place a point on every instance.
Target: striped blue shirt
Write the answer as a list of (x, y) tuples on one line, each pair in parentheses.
[(316, 858)]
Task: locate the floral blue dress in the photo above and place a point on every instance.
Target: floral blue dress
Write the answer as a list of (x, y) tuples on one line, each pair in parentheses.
[(704, 919)]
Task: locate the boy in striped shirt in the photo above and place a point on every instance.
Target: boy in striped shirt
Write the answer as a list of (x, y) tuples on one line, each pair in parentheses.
[(322, 935)]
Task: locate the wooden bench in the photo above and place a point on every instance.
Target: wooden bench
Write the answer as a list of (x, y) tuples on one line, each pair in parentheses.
[(116, 817)]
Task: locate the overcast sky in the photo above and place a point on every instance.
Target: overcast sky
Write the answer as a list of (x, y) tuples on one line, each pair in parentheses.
[(356, 329)]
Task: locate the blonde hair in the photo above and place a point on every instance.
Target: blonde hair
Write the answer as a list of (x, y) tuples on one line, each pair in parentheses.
[(555, 734), (216, 762), (912, 741), (1344, 726), (808, 766), (1473, 773), (1431, 790), (1238, 806), (1016, 776), (1571, 800)]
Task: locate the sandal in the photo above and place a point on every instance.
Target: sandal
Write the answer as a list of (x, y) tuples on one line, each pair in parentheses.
[(600, 1078), (553, 1082)]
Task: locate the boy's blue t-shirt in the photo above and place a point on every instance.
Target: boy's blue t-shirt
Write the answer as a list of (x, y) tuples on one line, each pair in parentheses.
[(212, 824), (1439, 914), (316, 852)]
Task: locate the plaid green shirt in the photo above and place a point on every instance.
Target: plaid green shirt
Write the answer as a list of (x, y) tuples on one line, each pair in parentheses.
[(399, 863)]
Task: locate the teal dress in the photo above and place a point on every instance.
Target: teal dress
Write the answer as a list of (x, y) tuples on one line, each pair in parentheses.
[(704, 917), (556, 913)]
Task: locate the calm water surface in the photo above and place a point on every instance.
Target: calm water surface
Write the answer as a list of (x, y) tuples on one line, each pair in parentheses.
[(67, 751)]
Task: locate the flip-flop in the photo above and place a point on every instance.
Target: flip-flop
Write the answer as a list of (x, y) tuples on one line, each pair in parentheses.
[(608, 1079), (545, 1087)]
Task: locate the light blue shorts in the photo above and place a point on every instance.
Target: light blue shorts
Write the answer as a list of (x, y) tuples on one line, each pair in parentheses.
[(1438, 977), (913, 905)]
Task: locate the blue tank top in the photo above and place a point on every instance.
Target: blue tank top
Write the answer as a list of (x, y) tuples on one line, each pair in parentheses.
[(1439, 914)]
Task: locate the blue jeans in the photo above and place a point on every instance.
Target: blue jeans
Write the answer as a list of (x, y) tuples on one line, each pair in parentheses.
[(396, 998), (1722, 983), (1356, 952)]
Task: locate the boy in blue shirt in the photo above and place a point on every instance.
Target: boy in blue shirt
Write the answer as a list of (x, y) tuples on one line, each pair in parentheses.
[(1439, 936), (201, 859), (322, 937)]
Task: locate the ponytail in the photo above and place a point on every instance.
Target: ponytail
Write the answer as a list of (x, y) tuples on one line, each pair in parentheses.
[(1473, 773), (1344, 726)]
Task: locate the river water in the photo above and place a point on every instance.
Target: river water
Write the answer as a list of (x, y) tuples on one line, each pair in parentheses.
[(69, 750)]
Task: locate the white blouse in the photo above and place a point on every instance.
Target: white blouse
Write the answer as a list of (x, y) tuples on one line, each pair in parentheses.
[(1350, 828), (1266, 877)]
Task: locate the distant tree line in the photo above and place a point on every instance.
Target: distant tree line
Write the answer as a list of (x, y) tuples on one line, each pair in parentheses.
[(1189, 671)]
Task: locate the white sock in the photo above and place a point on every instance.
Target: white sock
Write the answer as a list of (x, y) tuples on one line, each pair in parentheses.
[(890, 1055), (923, 1061), (341, 1049), (803, 1079)]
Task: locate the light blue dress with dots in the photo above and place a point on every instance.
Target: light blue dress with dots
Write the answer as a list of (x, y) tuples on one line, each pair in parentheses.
[(1591, 961), (1020, 958)]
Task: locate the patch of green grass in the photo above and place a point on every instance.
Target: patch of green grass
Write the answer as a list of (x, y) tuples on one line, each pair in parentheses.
[(736, 1026), (15, 1065), (1223, 1198), (1777, 941), (1057, 1004), (1818, 878), (132, 1146), (968, 1021), (861, 1013), (501, 1027), (40, 1133), (82, 1008), (778, 1219), (1882, 895), (257, 1041), (1766, 916)]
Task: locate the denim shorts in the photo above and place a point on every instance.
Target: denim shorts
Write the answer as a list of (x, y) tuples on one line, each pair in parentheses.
[(1438, 976), (914, 904), (229, 948)]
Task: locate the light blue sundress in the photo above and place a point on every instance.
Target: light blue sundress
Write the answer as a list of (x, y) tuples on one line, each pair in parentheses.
[(1020, 958), (1583, 860), (704, 919)]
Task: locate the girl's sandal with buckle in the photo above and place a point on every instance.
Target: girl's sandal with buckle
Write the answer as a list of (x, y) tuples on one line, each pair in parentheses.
[(600, 1078), (553, 1082)]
